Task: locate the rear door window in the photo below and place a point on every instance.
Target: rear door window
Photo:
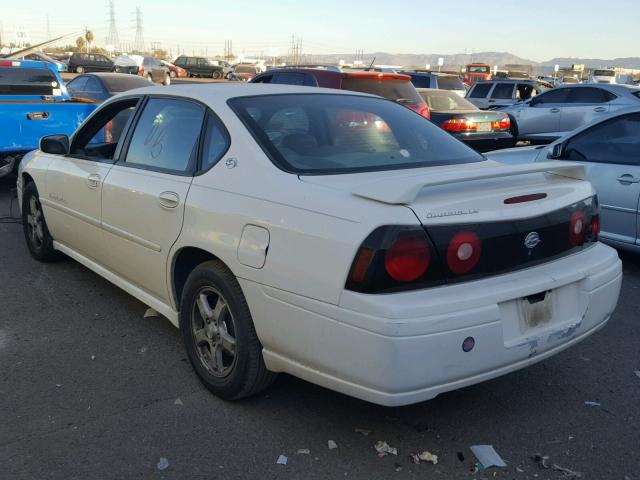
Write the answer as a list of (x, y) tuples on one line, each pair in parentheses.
[(557, 95), (503, 91), (480, 90), (590, 95), (166, 135)]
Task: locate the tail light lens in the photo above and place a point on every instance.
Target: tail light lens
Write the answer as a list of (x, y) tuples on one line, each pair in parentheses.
[(595, 227), (459, 124), (424, 111), (577, 228), (463, 252), (503, 124), (141, 70), (408, 258)]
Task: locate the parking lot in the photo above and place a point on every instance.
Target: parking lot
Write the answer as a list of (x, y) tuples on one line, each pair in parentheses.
[(92, 389)]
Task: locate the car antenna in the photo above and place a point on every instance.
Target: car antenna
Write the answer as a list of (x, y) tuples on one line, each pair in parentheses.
[(371, 64)]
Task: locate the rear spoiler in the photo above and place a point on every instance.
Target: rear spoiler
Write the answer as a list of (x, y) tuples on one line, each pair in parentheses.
[(404, 189)]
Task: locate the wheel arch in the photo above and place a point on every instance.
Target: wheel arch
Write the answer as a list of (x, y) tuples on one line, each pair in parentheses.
[(184, 261)]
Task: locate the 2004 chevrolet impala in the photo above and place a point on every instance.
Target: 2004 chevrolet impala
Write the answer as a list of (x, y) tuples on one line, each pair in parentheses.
[(335, 236)]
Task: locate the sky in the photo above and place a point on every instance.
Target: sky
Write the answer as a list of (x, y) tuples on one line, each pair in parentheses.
[(534, 30)]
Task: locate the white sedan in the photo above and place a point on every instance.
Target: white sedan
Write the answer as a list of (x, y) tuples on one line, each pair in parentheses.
[(335, 236)]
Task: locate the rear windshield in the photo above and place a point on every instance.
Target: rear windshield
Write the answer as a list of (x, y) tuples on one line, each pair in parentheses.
[(450, 83), (323, 134), (604, 73), (245, 69), (393, 89), (478, 69), (421, 81), (28, 81), (116, 83), (442, 101)]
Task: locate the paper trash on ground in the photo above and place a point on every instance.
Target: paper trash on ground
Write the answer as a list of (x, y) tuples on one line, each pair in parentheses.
[(487, 456)]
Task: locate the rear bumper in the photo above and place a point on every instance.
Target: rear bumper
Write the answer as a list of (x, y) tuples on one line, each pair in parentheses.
[(488, 142), (404, 348)]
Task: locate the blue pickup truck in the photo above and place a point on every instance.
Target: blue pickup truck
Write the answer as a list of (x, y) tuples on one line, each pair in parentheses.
[(33, 102)]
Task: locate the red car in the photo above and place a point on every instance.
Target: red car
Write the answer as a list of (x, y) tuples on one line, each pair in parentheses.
[(394, 86), (175, 71)]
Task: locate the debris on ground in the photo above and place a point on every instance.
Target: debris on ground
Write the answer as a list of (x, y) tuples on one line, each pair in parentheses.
[(384, 449), (178, 402), (150, 313), (162, 464), (332, 445), (397, 467), (142, 350), (282, 460), (303, 451), (460, 456), (363, 431), (93, 357), (487, 456), (637, 372), (545, 463), (591, 404), (423, 457)]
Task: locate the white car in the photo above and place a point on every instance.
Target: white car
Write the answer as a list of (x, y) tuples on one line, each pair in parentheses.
[(335, 236)]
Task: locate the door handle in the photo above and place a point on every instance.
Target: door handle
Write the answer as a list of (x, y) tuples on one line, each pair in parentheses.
[(169, 199), (491, 101), (37, 115), (93, 180), (554, 110), (600, 109), (627, 178)]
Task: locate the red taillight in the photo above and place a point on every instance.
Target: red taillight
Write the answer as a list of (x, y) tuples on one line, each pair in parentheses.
[(361, 265), (463, 252), (424, 111), (407, 259), (460, 124), (502, 124), (577, 227), (595, 227), (141, 70)]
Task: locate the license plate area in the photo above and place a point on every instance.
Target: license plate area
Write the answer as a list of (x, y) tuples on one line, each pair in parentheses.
[(536, 310), (483, 127)]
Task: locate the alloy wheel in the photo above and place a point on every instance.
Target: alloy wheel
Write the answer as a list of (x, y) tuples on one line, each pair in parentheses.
[(35, 222), (213, 330)]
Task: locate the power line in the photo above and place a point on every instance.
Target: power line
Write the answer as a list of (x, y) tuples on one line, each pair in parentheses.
[(139, 41), (112, 37)]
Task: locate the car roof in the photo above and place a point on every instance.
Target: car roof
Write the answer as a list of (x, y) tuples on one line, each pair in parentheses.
[(222, 91), (615, 87), (616, 113), (508, 80)]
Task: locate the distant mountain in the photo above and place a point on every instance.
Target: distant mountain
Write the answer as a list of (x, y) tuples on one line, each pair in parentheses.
[(458, 59)]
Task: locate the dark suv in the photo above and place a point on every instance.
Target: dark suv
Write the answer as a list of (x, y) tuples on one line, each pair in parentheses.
[(200, 67), (394, 86), (90, 62)]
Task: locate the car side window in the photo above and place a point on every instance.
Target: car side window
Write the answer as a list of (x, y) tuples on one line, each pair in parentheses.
[(557, 95), (263, 79), (589, 95), (480, 90), (76, 85), (166, 136), (215, 143), (503, 91), (99, 138), (289, 78), (93, 85), (614, 141), (524, 91)]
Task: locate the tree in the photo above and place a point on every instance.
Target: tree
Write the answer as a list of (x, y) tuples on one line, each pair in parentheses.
[(160, 53), (80, 43), (88, 36)]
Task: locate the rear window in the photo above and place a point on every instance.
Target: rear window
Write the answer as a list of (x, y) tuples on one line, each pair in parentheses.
[(116, 83), (604, 73), (393, 89), (480, 90), (450, 83), (28, 81), (442, 101), (421, 81), (324, 134), (478, 69), (245, 69)]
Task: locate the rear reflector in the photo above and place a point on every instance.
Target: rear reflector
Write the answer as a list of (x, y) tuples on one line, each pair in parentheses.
[(595, 227), (577, 228), (361, 265), (525, 198)]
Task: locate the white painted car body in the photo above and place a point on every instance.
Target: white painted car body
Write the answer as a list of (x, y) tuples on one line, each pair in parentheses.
[(290, 241)]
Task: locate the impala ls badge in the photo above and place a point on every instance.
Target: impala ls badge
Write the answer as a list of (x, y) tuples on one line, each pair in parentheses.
[(531, 240)]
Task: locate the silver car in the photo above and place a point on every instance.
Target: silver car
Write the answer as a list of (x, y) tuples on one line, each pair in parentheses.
[(609, 148), (501, 93), (556, 112)]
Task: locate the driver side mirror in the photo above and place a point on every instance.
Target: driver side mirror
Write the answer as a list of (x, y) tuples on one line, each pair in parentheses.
[(557, 151), (55, 144)]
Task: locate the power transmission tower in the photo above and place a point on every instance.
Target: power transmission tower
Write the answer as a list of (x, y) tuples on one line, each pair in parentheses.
[(48, 27), (112, 37), (139, 41)]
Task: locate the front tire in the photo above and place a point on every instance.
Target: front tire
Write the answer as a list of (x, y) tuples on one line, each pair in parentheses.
[(219, 334), (167, 80), (79, 69), (36, 233)]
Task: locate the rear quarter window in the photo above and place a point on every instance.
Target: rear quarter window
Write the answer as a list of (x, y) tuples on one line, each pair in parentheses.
[(480, 90), (503, 91)]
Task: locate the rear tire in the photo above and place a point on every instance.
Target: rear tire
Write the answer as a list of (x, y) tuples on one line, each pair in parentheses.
[(219, 334), (513, 129), (79, 69), (36, 233), (216, 75)]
